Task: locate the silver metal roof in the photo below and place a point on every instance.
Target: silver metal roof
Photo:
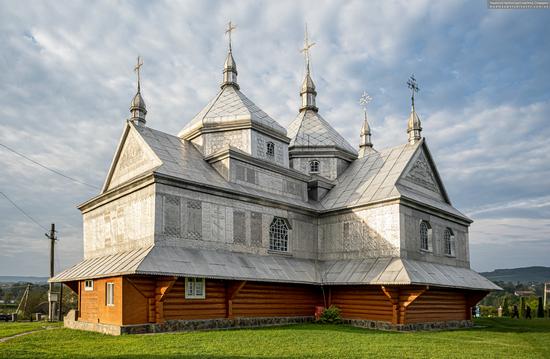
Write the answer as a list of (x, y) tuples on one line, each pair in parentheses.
[(399, 271), (231, 105), (371, 178), (310, 129), (179, 261), (180, 159)]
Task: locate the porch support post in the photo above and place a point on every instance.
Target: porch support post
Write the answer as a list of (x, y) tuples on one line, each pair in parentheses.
[(231, 291)]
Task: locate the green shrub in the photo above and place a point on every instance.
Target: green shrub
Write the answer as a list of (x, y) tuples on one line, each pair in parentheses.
[(331, 315)]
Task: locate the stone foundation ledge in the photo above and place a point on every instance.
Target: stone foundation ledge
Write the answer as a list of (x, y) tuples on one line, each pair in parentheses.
[(378, 325), (183, 325)]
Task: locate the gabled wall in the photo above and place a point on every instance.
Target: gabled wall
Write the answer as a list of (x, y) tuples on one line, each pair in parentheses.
[(123, 224), (410, 237)]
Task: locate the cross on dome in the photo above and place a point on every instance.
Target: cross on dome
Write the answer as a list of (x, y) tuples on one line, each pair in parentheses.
[(413, 86), (307, 46), (230, 28)]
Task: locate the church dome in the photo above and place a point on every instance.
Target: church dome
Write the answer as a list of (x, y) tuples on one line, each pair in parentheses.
[(137, 102)]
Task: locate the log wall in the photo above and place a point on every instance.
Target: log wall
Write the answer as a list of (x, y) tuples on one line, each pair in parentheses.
[(257, 299), (362, 302), (150, 299), (437, 306)]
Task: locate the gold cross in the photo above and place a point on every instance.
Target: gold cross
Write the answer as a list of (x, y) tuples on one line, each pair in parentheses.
[(137, 69), (229, 30), (307, 45)]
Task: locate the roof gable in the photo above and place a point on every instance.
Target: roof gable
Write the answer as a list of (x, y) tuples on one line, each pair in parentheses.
[(133, 157), (309, 129), (370, 179), (421, 175)]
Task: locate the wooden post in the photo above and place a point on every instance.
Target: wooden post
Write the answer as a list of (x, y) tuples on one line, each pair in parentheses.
[(231, 291), (163, 287), (51, 304), (393, 296)]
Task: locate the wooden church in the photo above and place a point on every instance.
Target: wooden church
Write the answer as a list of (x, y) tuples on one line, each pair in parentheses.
[(237, 221)]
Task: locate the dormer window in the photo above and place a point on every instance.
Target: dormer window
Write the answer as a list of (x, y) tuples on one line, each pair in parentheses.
[(314, 166), (270, 152)]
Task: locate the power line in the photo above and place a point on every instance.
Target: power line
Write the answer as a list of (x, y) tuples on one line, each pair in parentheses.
[(48, 168), (22, 211)]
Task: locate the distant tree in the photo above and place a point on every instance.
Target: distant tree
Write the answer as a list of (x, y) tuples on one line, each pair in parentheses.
[(522, 307), (540, 309), (505, 307)]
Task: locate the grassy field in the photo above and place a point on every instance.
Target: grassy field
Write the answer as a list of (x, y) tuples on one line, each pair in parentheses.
[(493, 338), (8, 329)]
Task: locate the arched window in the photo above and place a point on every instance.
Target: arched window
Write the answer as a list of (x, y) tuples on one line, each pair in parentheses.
[(425, 236), (314, 166), (270, 152), (278, 235), (448, 242)]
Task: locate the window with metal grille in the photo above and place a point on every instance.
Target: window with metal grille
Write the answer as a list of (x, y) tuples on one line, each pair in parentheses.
[(195, 288), (270, 152), (425, 236), (448, 239), (110, 294), (314, 166), (278, 235)]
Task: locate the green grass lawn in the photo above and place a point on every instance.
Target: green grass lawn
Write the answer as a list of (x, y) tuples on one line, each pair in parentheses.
[(8, 329), (494, 338)]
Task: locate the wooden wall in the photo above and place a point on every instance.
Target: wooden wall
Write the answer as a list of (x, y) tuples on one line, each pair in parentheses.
[(257, 299), (213, 306), (436, 306), (93, 306), (362, 302), (151, 299)]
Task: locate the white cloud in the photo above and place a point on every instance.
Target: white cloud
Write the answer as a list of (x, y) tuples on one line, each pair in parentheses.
[(67, 82)]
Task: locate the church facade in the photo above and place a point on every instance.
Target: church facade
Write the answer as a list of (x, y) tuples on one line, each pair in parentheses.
[(237, 221)]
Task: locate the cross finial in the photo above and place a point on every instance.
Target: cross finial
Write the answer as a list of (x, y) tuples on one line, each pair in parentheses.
[(365, 100), (229, 30), (137, 69), (413, 85), (307, 45)]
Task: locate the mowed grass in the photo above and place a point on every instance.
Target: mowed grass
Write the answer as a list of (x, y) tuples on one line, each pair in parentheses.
[(493, 338), (7, 329)]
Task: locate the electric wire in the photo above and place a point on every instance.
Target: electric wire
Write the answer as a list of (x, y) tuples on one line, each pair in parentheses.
[(48, 168), (23, 211)]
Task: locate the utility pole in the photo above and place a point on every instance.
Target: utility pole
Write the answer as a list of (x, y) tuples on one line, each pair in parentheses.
[(52, 297)]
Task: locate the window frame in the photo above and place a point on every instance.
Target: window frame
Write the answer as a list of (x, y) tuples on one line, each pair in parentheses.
[(317, 164), (279, 237), (110, 294), (270, 149), (428, 236), (449, 242), (191, 287), (88, 288)]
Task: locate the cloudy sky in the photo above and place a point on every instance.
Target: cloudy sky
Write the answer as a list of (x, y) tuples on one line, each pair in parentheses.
[(66, 83)]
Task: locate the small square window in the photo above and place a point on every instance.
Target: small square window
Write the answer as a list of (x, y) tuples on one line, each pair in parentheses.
[(110, 294), (195, 288), (88, 285)]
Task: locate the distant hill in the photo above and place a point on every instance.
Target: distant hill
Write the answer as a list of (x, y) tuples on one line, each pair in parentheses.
[(16, 279), (522, 275)]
